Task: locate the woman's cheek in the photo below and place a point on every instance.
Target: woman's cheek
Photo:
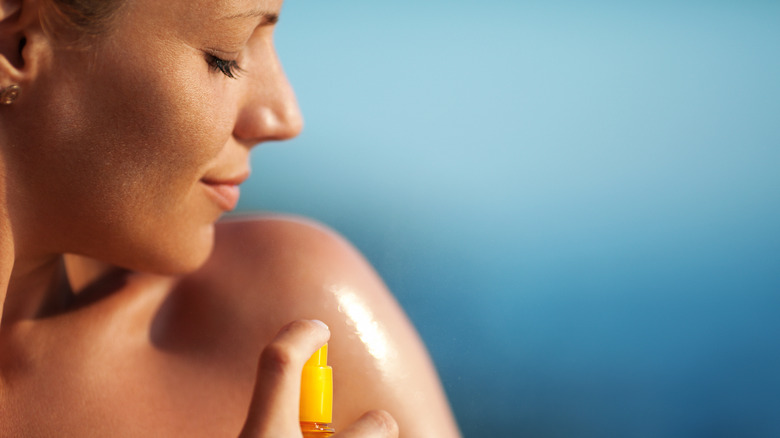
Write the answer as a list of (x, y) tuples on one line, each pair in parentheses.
[(205, 118)]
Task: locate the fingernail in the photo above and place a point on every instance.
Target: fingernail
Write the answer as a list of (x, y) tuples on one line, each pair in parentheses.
[(317, 321)]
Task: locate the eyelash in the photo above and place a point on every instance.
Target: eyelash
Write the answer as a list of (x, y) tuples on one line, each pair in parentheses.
[(227, 68)]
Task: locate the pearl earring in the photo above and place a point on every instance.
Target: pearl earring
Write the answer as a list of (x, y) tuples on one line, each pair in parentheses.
[(9, 94)]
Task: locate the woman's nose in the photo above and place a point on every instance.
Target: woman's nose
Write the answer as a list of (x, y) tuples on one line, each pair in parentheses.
[(269, 109)]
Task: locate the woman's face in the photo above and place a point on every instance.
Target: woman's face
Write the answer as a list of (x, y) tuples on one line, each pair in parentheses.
[(138, 144)]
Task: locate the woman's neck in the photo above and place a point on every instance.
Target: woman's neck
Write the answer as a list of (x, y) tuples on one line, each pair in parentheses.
[(30, 285), (34, 284), (35, 287)]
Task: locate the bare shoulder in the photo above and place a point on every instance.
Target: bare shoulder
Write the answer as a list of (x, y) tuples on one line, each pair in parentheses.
[(302, 249), (298, 267), (269, 270)]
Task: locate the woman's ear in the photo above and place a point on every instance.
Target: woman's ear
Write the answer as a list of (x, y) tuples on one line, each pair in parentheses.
[(19, 21), (11, 39)]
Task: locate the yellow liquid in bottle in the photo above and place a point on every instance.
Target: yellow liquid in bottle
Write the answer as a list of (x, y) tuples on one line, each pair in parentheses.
[(316, 430)]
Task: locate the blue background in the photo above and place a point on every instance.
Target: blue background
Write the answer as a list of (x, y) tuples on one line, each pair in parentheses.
[(578, 203)]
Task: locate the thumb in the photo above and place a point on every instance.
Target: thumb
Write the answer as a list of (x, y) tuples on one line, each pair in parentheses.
[(372, 424)]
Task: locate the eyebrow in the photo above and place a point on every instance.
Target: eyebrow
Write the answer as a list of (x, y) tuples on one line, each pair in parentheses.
[(269, 18)]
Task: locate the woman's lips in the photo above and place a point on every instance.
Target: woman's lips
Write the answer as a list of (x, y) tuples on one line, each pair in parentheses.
[(224, 194), (224, 189)]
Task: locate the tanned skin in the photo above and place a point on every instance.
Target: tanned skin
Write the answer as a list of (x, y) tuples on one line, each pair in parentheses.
[(128, 308)]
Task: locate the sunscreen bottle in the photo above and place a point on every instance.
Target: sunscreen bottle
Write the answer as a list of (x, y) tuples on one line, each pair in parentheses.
[(316, 410)]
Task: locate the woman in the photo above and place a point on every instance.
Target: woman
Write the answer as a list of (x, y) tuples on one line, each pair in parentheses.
[(125, 130)]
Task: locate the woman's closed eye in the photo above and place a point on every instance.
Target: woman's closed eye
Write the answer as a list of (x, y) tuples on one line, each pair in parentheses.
[(229, 68)]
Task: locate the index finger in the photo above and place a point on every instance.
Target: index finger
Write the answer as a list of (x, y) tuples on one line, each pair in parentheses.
[(274, 407)]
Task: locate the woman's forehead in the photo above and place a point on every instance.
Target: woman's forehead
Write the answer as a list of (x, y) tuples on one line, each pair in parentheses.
[(194, 17), (245, 8)]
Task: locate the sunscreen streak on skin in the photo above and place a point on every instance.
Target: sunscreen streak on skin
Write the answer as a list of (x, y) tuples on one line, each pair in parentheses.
[(359, 316)]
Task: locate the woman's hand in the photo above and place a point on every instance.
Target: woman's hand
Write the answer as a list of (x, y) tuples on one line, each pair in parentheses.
[(274, 408)]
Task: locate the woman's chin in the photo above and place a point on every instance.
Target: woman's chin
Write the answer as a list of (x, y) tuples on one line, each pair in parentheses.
[(176, 256), (188, 258), (178, 266)]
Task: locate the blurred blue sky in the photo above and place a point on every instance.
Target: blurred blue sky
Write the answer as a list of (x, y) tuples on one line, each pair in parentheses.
[(584, 196)]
